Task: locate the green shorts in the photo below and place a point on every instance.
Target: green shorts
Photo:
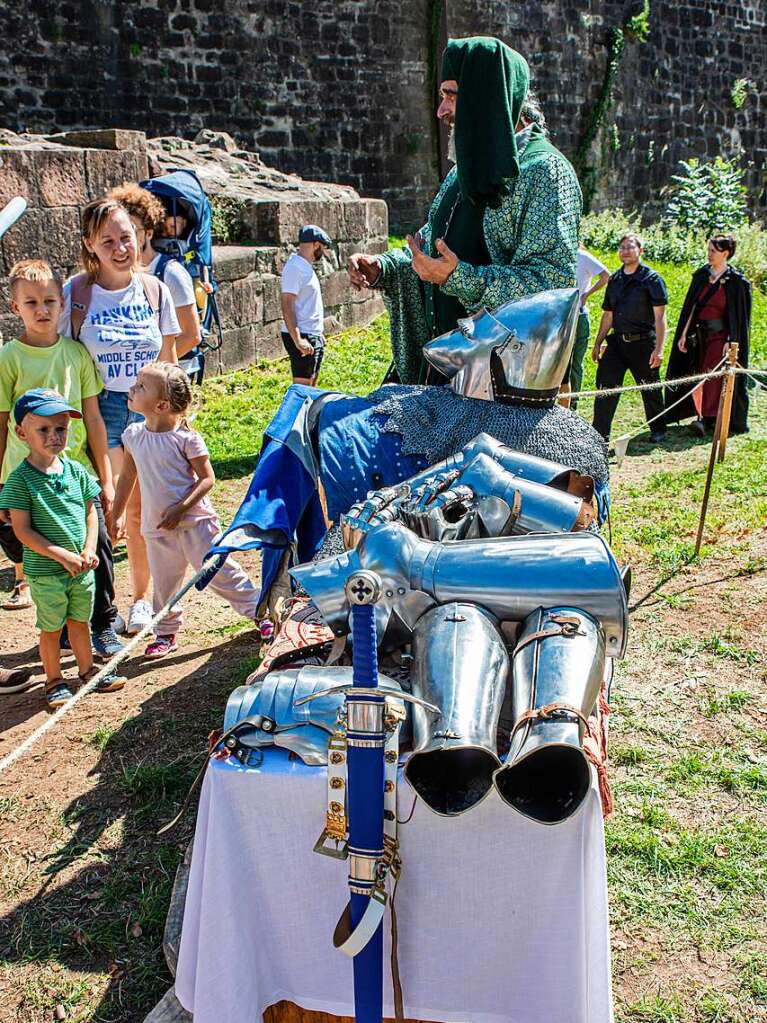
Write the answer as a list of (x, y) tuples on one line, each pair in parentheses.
[(58, 597)]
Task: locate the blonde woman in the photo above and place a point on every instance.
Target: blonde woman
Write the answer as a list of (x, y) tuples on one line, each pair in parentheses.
[(126, 319)]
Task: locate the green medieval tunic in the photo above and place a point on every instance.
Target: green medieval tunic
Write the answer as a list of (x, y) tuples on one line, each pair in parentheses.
[(531, 242)]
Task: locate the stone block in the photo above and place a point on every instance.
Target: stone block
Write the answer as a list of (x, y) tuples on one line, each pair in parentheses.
[(105, 170), (233, 262), (242, 303), (102, 138), (278, 223), (18, 175), (353, 221), (9, 326), (377, 218), (238, 349), (60, 177), (52, 234), (268, 342), (336, 288), (271, 297)]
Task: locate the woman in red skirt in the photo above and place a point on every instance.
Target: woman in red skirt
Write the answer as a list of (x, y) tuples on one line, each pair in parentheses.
[(716, 311)]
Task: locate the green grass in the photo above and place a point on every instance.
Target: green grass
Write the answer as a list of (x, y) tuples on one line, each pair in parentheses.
[(235, 409)]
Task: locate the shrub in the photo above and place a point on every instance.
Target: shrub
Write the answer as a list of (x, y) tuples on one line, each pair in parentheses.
[(707, 196), (666, 243)]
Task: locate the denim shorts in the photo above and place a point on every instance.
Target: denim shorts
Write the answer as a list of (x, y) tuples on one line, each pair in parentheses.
[(113, 406)]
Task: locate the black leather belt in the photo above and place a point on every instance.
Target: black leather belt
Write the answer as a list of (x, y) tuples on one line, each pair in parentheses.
[(710, 327), (636, 337)]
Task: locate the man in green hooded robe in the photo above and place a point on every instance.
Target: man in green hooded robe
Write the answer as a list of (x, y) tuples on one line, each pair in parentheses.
[(504, 223)]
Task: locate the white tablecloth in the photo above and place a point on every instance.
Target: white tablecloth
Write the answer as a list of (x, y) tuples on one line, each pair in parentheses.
[(501, 920)]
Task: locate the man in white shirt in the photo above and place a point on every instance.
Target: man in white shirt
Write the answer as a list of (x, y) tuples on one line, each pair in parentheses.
[(588, 268), (302, 309)]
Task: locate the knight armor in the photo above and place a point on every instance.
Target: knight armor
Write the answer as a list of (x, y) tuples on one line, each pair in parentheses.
[(460, 664), (518, 353), (508, 576), (558, 669)]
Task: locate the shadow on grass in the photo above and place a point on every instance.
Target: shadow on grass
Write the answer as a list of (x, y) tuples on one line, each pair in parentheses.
[(109, 913), (234, 468)]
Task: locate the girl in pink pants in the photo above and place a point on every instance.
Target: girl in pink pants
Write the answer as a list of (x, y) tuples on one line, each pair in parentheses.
[(178, 523)]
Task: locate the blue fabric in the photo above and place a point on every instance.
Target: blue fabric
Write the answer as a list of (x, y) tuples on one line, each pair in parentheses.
[(282, 505), (113, 406), (184, 185), (357, 456)]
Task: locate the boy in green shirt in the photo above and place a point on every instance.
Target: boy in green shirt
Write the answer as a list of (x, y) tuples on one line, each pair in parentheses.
[(51, 501), (41, 358)]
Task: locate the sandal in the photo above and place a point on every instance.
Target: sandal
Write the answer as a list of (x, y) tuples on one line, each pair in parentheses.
[(19, 598), (57, 694), (110, 683)]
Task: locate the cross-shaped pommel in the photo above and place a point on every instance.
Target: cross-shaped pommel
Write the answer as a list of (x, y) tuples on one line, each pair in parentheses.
[(363, 587)]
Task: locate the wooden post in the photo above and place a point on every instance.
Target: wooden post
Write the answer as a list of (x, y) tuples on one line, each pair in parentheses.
[(710, 471), (728, 389)]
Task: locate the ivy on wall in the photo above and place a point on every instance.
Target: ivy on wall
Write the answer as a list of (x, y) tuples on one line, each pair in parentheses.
[(637, 27)]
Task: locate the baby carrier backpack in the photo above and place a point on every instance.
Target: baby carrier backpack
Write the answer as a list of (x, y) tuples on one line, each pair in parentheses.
[(182, 194)]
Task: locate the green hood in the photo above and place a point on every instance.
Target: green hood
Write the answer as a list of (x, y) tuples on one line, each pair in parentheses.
[(493, 81)]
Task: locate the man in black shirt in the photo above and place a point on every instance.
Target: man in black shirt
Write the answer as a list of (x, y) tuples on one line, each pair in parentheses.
[(631, 336)]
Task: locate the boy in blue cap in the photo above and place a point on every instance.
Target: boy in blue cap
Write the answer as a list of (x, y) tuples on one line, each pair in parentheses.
[(51, 501), (302, 311)]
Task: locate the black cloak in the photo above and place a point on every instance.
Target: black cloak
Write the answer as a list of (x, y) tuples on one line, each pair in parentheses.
[(681, 364)]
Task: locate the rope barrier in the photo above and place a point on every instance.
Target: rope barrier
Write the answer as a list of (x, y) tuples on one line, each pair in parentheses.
[(657, 385), (207, 570), (91, 684)]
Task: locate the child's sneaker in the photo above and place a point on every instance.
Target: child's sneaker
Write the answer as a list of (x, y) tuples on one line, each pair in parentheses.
[(139, 616), (106, 644), (160, 646), (57, 694)]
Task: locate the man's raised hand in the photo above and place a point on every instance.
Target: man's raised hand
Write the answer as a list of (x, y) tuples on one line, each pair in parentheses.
[(364, 270), (434, 271)]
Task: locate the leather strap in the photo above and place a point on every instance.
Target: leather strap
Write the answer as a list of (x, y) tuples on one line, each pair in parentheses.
[(568, 626), (546, 712)]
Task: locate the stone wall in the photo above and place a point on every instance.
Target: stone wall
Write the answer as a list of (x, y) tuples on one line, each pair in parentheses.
[(337, 90), (58, 177)]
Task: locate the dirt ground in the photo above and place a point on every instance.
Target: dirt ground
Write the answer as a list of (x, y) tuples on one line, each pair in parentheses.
[(84, 881)]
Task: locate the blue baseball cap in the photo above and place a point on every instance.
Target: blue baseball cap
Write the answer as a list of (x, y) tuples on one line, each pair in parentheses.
[(312, 233), (42, 401)]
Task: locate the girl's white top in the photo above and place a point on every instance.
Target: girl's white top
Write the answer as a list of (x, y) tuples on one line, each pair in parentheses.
[(165, 473)]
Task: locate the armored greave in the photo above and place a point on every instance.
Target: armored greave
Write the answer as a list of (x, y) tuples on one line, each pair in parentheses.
[(558, 668), (460, 664)]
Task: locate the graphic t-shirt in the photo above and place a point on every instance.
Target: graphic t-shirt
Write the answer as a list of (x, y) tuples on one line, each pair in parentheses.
[(65, 367), (299, 279), (120, 330), (56, 503)]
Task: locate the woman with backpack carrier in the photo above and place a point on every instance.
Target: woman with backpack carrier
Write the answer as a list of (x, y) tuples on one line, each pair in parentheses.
[(126, 319), (148, 216)]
